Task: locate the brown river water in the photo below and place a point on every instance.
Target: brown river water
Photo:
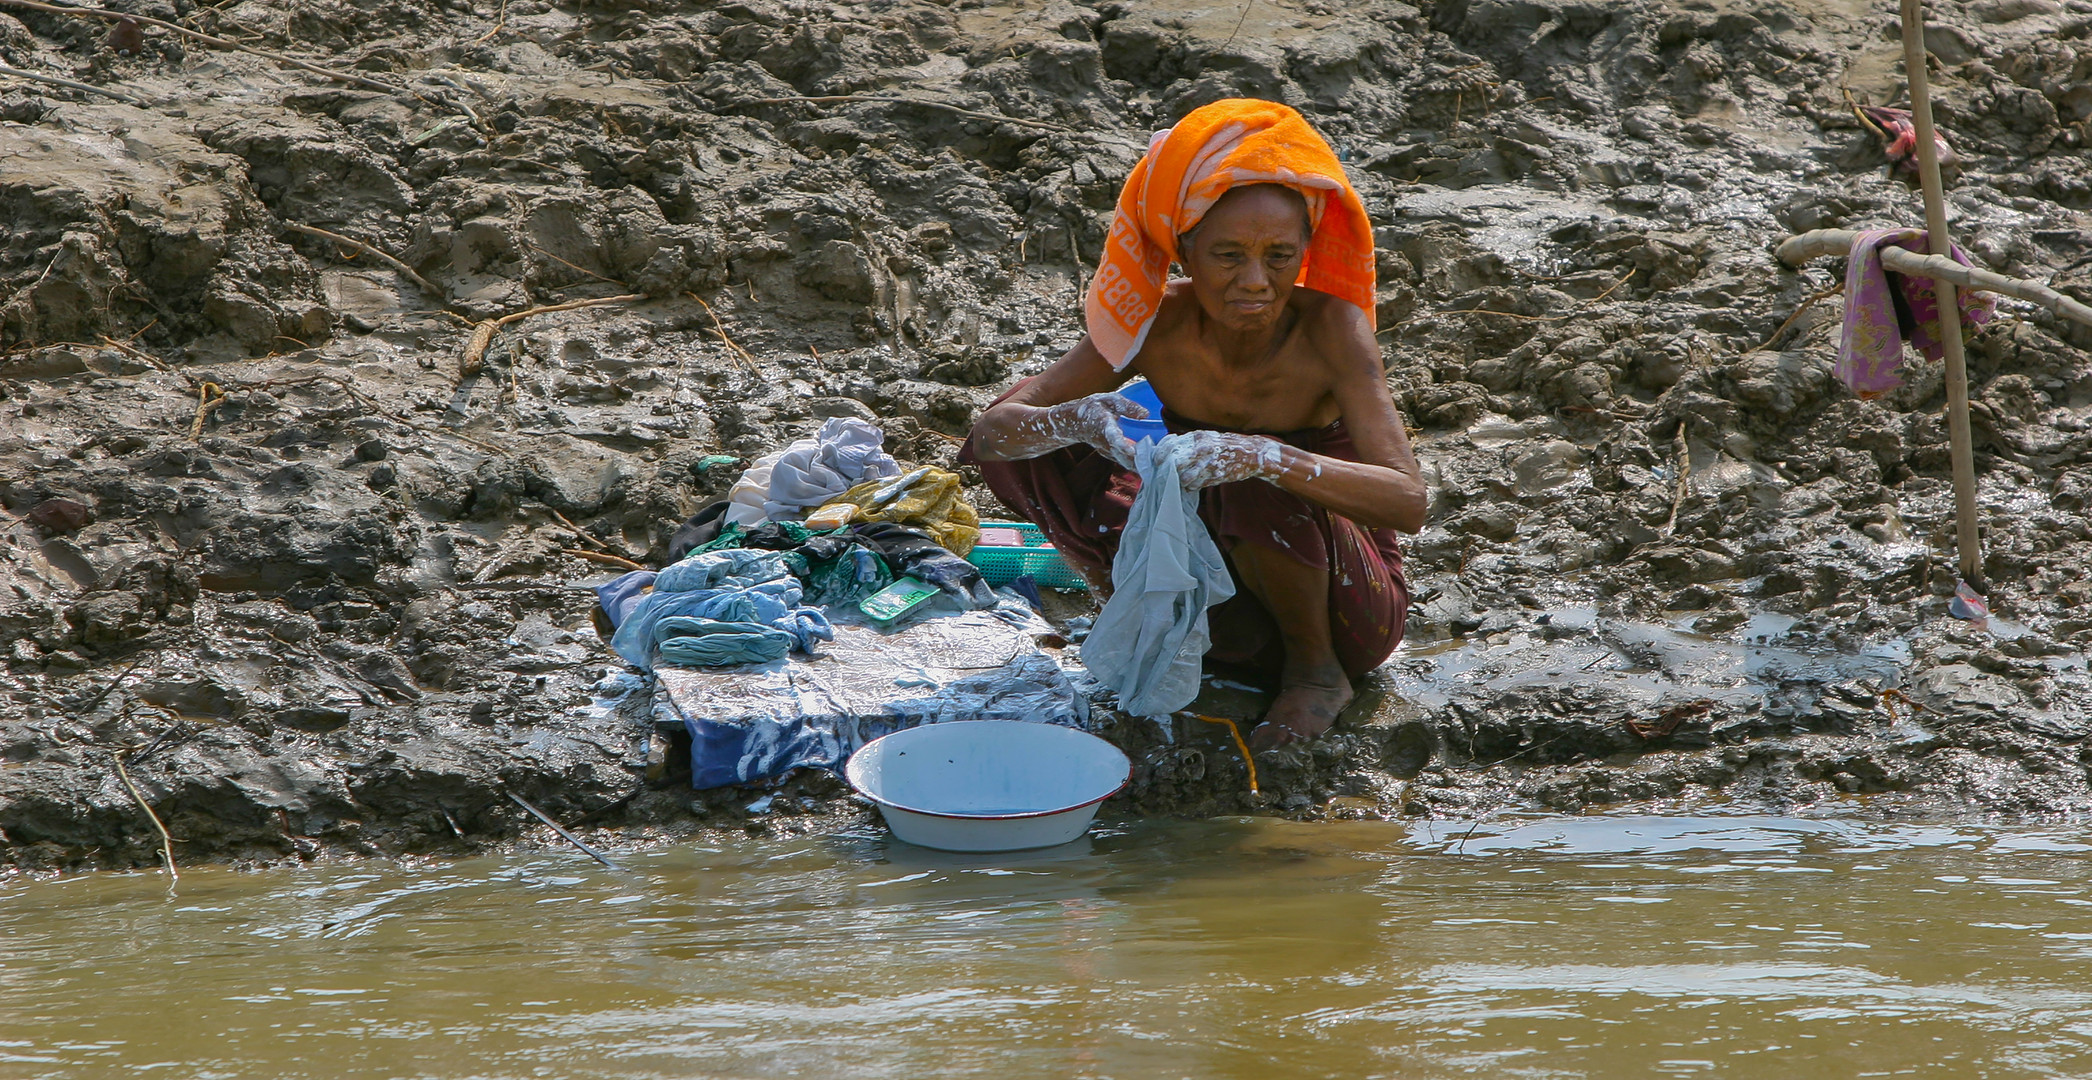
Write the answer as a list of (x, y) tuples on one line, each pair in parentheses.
[(1526, 947)]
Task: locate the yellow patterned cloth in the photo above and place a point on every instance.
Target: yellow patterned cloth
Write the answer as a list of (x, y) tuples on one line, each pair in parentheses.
[(931, 502)]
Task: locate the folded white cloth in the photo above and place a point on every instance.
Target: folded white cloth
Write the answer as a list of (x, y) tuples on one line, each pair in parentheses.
[(784, 485)]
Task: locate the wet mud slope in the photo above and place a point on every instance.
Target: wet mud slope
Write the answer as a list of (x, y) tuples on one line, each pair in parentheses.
[(288, 518)]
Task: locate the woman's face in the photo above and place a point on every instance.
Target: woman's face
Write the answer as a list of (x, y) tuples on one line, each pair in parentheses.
[(1245, 255)]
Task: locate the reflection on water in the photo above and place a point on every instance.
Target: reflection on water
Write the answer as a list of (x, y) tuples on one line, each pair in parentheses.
[(1540, 947)]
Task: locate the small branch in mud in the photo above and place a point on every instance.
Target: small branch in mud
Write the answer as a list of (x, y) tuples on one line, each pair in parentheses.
[(405, 271), (174, 876), (1805, 305), (69, 84), (604, 558), (578, 269), (848, 99), (500, 24), (1241, 747), (740, 353), (1683, 453), (592, 538), (475, 356), (134, 352), (208, 397), (563, 834)]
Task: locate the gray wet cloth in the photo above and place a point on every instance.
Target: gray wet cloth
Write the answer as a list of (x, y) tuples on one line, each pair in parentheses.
[(845, 453), (1151, 638)]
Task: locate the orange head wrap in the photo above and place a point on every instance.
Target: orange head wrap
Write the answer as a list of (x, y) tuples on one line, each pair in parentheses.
[(1185, 171)]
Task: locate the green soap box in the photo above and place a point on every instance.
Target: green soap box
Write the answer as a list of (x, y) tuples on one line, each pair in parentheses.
[(897, 599)]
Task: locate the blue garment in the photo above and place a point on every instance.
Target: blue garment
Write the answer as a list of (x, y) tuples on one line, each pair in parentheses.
[(1150, 641), (730, 566), (618, 597), (748, 600), (708, 643)]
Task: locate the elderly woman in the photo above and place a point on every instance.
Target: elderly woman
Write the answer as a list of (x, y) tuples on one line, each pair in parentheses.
[(1265, 357)]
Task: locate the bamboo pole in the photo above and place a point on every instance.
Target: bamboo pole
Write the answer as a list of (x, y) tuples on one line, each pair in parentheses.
[(1968, 541), (1800, 248)]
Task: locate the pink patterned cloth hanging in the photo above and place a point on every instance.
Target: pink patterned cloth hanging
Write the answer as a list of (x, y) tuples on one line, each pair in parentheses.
[(1884, 309)]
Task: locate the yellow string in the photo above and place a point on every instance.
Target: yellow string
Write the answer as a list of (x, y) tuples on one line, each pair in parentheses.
[(1239, 745)]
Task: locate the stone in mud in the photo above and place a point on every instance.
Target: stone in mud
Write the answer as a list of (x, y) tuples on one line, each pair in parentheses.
[(839, 270), (977, 366), (60, 516)]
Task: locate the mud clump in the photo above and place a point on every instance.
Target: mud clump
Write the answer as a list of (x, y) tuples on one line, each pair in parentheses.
[(264, 537)]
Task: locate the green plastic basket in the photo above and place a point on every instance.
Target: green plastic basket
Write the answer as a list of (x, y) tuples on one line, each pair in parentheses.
[(1002, 565)]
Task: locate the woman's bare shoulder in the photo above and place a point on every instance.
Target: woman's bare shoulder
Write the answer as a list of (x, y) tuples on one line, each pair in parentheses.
[(1337, 329)]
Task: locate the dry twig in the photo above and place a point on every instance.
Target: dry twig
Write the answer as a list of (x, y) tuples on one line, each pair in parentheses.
[(1805, 305), (1609, 289), (208, 397), (69, 84), (166, 840), (577, 530), (740, 353), (600, 557), (476, 346), (405, 271), (1242, 747)]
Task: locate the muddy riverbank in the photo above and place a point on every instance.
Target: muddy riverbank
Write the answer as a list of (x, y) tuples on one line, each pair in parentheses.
[(269, 537)]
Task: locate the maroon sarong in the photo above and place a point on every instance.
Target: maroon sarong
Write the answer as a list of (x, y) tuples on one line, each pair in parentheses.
[(1080, 499)]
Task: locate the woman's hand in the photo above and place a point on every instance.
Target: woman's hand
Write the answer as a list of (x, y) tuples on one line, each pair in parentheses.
[(1209, 458), (1088, 421)]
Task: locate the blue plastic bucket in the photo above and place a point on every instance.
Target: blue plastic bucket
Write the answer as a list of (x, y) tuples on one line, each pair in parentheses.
[(1140, 393)]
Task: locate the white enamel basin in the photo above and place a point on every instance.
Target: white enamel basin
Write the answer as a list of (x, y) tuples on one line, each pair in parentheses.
[(988, 785)]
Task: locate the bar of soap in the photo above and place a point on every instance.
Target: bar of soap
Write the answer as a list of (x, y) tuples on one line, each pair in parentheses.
[(1002, 538), (832, 516)]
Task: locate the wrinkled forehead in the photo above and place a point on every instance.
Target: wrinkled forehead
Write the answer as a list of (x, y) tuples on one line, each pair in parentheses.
[(1254, 208)]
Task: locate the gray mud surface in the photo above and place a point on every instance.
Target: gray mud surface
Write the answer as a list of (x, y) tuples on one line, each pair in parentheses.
[(264, 537)]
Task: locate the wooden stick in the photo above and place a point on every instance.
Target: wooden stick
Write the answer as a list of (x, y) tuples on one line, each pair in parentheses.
[(208, 397), (578, 530), (405, 271), (1796, 250), (840, 99), (69, 84), (166, 840), (1960, 448), (476, 346), (1805, 306), (739, 352), (563, 834), (599, 557)]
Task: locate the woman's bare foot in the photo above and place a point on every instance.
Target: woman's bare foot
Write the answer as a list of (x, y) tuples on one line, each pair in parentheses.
[(1303, 710)]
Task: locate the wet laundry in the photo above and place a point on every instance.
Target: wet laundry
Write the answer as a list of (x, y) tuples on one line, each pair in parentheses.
[(911, 552), (1884, 309), (1150, 641), (811, 472), (721, 607), (928, 499)]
